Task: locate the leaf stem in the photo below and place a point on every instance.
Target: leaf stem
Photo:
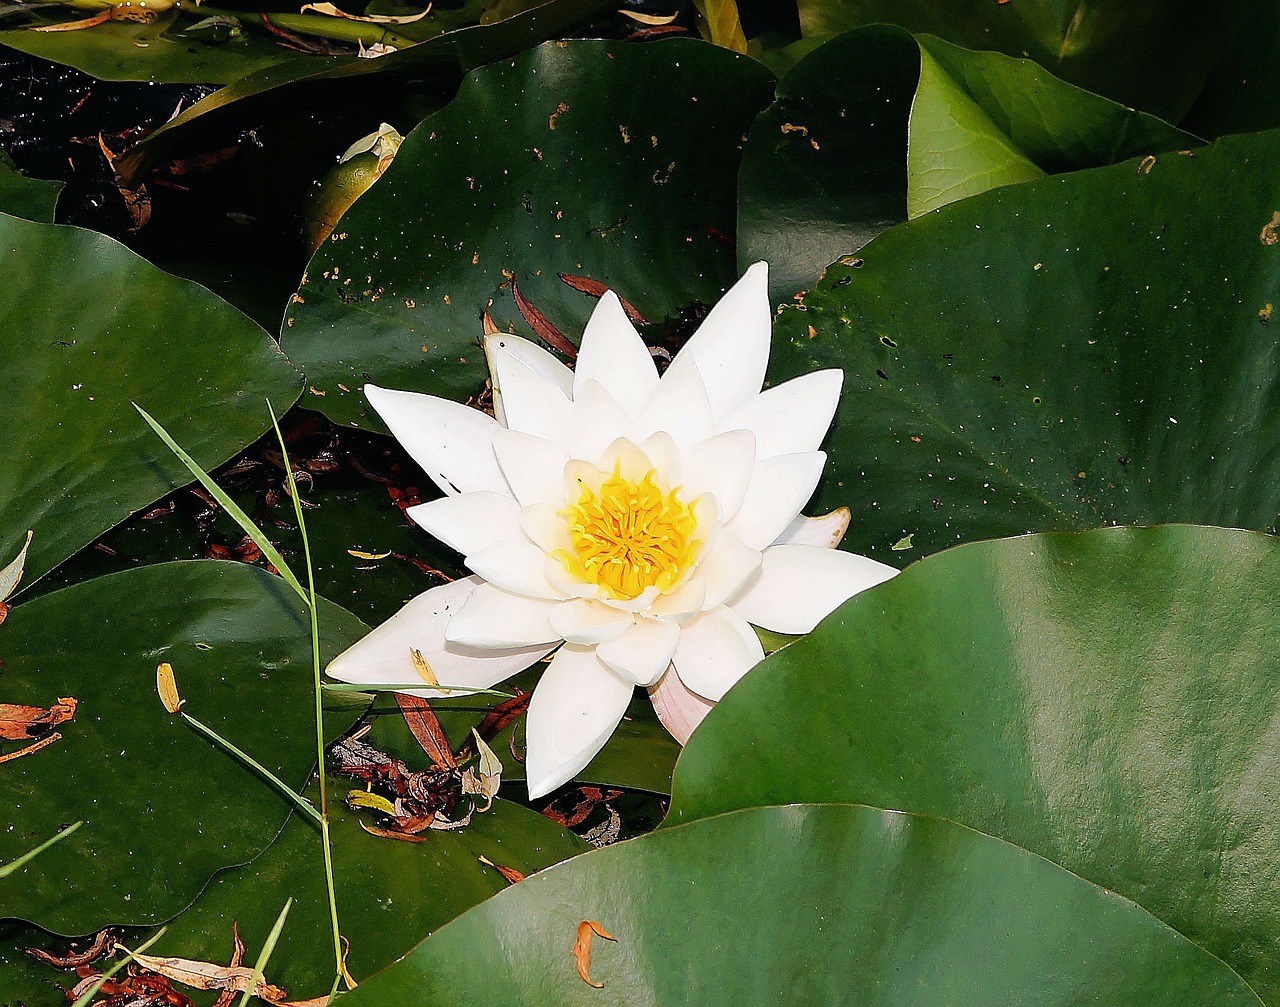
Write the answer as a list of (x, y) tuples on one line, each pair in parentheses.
[(9, 868)]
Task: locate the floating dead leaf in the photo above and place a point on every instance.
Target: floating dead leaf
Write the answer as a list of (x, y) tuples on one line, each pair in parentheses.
[(227, 997), (23, 723), (425, 727), (167, 687), (574, 807), (104, 942), (332, 11), (488, 781), (494, 722), (582, 949), (423, 669), (12, 573), (368, 799), (207, 976), (361, 554), (653, 20), (510, 873), (404, 837), (594, 288), (607, 832), (542, 328)]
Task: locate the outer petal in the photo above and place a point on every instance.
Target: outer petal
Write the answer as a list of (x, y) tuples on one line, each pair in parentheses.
[(643, 652), (469, 522), (575, 707), (679, 405), (715, 650), (453, 443), (492, 619), (731, 347), (679, 709), (516, 565), (588, 623), (720, 465), (530, 402), (383, 657), (824, 531), (613, 353), (533, 466), (728, 566), (779, 488), (793, 416), (533, 357), (800, 585)]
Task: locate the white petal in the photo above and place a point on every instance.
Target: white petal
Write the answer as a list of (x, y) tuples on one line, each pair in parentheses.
[(715, 650), (779, 487), (643, 652), (679, 709), (533, 357), (731, 347), (469, 522), (530, 402), (613, 354), (679, 405), (720, 465), (534, 466), (492, 619), (589, 622), (727, 567), (825, 531), (516, 565), (793, 416), (597, 420), (800, 585), (546, 527), (453, 443), (383, 657), (575, 707), (683, 603)]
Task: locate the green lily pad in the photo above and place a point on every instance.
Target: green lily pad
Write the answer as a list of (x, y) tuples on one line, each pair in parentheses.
[(1106, 700), (613, 161), (163, 808), (1151, 54), (80, 345), (28, 198), (877, 125), (1012, 365), (809, 904)]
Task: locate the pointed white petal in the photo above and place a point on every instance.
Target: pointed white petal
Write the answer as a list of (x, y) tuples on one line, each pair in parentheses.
[(493, 619), (679, 405), (800, 585), (575, 707), (597, 420), (720, 465), (469, 522), (613, 353), (546, 527), (530, 402), (731, 346), (383, 657), (643, 652), (779, 487), (453, 443), (589, 623), (517, 565), (793, 416), (825, 531), (679, 709), (683, 603), (533, 357), (534, 466), (715, 650), (727, 568)]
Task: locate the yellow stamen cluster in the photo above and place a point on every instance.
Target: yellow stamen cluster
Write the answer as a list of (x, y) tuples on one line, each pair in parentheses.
[(630, 536)]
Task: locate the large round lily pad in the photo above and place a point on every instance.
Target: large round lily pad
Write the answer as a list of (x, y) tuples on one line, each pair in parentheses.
[(809, 905), (1107, 700)]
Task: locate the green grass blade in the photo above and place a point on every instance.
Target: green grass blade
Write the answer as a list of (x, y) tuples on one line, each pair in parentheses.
[(9, 868), (88, 995), (230, 506), (265, 955)]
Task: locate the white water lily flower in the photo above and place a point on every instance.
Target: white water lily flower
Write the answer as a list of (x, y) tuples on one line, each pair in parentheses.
[(640, 524)]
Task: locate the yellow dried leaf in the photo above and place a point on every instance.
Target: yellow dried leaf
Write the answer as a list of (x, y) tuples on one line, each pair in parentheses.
[(422, 668), (167, 687), (649, 19), (367, 799), (361, 554), (207, 976)]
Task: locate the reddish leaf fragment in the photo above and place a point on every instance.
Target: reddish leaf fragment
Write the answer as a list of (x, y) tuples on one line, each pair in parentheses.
[(4, 612), (404, 837), (542, 328), (718, 235), (23, 723), (594, 288), (510, 873), (574, 807), (425, 726), (103, 943), (425, 567), (582, 949), (494, 722), (657, 31)]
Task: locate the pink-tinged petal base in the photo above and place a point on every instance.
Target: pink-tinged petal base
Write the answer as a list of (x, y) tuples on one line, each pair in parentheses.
[(383, 657), (679, 709), (575, 707)]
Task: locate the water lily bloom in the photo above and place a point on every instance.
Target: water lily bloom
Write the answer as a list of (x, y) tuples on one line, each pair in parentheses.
[(637, 525)]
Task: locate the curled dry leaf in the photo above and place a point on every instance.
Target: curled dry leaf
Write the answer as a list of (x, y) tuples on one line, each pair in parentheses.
[(542, 328), (167, 687), (24, 723), (104, 942), (425, 726), (207, 976), (423, 669), (361, 554), (494, 722), (582, 949), (594, 288)]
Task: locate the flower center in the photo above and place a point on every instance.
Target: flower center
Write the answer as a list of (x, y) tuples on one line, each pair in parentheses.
[(629, 536)]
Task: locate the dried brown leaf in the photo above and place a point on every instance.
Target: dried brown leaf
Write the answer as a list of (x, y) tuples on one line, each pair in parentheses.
[(425, 726), (103, 943), (542, 328), (582, 949), (167, 687), (510, 873), (594, 288), (423, 669), (494, 722), (23, 723), (405, 837), (207, 976)]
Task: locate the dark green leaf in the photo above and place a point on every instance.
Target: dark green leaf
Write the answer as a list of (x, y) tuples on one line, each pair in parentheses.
[(86, 326), (610, 160), (810, 905), (163, 809), (1107, 700), (29, 198), (1062, 354), (1243, 93)]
